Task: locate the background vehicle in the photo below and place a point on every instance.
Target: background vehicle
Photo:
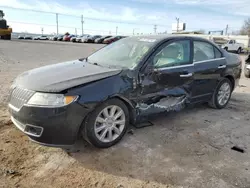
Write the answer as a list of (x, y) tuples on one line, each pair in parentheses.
[(111, 39), (42, 37), (54, 38), (5, 30), (79, 38), (100, 40), (20, 37), (233, 46), (152, 75), (60, 37), (28, 38), (67, 37), (85, 38), (247, 67), (73, 39), (92, 38)]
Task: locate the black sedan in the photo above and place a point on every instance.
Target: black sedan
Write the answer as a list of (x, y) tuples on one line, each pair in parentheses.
[(20, 37), (247, 67), (55, 38), (28, 38), (100, 40), (92, 38), (60, 37), (99, 96)]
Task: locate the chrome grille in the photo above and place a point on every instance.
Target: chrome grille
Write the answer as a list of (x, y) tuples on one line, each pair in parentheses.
[(19, 97)]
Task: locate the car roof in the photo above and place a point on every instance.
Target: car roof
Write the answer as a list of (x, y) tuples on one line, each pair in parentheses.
[(159, 38)]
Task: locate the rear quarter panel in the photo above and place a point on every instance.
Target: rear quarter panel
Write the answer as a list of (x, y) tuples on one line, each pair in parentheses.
[(234, 66)]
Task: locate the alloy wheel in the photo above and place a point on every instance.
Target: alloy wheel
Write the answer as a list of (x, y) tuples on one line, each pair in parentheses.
[(109, 123), (224, 93)]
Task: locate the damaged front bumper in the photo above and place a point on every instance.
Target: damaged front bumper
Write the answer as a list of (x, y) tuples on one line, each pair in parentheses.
[(50, 126)]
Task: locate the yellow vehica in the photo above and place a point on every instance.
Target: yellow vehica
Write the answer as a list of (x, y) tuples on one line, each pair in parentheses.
[(5, 30)]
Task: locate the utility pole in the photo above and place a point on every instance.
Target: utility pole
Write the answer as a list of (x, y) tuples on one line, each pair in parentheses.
[(134, 30), (116, 30), (178, 21), (155, 28), (57, 23), (82, 23), (226, 29)]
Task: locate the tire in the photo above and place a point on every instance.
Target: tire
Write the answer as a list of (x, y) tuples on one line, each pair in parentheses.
[(8, 37), (214, 103), (239, 51), (247, 73), (226, 48), (89, 127)]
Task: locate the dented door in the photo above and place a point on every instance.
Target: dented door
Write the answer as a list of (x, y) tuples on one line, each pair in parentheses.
[(165, 85)]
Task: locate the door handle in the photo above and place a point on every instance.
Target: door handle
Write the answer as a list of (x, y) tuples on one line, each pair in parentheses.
[(221, 66), (186, 75)]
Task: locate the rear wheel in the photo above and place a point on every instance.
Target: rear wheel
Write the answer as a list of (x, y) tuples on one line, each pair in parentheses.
[(107, 124), (247, 73), (226, 48), (222, 94), (8, 37)]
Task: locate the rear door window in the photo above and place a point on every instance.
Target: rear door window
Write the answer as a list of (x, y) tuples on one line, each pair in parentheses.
[(217, 53), (203, 51)]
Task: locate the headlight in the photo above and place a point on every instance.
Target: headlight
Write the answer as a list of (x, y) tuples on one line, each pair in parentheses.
[(51, 100)]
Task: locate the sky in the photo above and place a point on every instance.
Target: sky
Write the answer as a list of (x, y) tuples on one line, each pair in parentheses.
[(126, 17)]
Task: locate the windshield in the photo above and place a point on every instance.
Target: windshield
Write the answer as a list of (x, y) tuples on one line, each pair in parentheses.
[(125, 53)]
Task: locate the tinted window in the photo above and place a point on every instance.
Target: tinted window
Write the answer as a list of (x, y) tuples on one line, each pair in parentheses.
[(217, 53), (230, 42), (174, 54), (203, 51)]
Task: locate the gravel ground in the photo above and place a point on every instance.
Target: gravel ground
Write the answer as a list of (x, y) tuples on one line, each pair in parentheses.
[(191, 148)]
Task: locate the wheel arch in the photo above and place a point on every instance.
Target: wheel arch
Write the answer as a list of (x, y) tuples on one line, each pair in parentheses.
[(127, 102), (129, 105), (232, 80)]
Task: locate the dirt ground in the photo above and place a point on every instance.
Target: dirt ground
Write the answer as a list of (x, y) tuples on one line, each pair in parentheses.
[(191, 148)]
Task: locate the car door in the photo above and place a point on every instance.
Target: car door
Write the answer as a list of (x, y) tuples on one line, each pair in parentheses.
[(165, 82), (230, 45), (209, 66)]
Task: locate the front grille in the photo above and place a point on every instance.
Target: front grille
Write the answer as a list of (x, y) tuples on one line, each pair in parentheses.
[(19, 97)]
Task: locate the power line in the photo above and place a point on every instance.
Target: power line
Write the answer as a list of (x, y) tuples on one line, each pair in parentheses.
[(86, 18)]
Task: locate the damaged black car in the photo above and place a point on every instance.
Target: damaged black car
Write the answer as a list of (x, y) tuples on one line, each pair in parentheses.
[(99, 96)]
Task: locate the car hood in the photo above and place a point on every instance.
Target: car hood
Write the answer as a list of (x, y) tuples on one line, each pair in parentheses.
[(62, 76)]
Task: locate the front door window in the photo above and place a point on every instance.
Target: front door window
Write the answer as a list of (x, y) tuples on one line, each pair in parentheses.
[(174, 54)]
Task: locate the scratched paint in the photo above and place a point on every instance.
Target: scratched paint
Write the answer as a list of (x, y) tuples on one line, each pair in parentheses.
[(165, 104)]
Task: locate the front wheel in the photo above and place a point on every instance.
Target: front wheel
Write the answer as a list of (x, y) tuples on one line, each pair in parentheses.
[(239, 51), (222, 94), (107, 124)]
